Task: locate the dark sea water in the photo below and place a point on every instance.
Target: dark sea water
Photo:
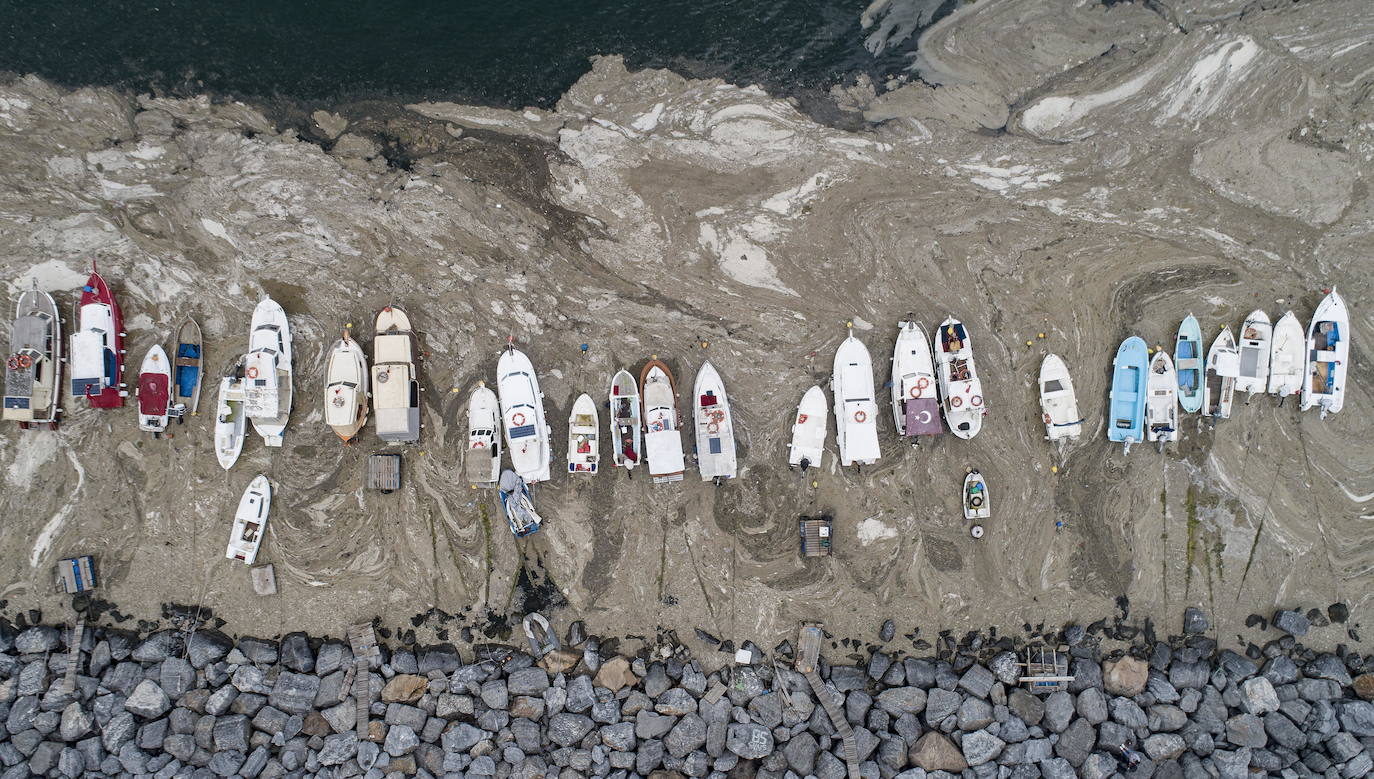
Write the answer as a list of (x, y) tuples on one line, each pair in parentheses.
[(496, 52)]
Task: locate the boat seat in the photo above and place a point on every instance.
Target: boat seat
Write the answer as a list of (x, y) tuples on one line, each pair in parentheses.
[(187, 362)]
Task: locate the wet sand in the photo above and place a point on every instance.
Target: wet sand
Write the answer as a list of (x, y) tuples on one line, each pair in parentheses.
[(1139, 175)]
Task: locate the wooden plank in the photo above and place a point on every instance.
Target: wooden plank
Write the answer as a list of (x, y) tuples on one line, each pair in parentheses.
[(363, 641), (73, 657)]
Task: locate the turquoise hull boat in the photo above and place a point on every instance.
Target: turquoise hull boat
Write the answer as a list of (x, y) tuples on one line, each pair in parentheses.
[(1189, 365), (1126, 422)]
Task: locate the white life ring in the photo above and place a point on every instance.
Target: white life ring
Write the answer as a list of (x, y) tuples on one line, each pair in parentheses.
[(252, 372), (977, 400), (956, 402)]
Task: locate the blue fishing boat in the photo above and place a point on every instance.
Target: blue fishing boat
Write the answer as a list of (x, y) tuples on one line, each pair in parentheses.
[(1127, 421), (1188, 364), (189, 370)]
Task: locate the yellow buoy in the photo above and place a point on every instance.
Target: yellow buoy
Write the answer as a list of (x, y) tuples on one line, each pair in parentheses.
[(1042, 335), (1028, 343), (815, 483), (1054, 469), (705, 344)]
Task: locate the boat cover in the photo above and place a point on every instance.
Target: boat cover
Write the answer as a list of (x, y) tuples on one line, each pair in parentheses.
[(664, 450), (1228, 364), (923, 417), (188, 372)]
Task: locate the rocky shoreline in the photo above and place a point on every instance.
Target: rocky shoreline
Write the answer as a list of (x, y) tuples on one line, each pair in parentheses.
[(198, 703)]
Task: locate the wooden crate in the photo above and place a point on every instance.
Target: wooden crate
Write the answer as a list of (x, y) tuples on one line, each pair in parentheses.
[(384, 472)]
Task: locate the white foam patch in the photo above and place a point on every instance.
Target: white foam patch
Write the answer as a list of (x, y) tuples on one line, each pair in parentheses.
[(1055, 112), (743, 261), (32, 452), (50, 530), (51, 276), (1201, 91), (871, 530)]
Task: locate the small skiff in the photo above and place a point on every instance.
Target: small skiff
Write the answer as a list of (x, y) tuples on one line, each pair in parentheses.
[(960, 388), (1256, 335), (809, 429), (1188, 364), (345, 388), (1328, 356), (1126, 423), (154, 391), (662, 438), (856, 411), (584, 430), (915, 397), (975, 497), (231, 421), (1161, 405), (268, 372), (484, 437), (33, 368), (1286, 357), (626, 432), (1058, 404), (188, 370), (97, 353), (715, 424), (522, 416), (518, 505), (250, 521), (395, 383), (1223, 366)]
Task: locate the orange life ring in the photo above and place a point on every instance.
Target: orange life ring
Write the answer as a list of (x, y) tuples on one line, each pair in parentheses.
[(977, 400), (13, 362), (712, 427), (1047, 419), (860, 416), (801, 419), (956, 402), (517, 419), (915, 392), (24, 360), (480, 445), (252, 372), (922, 382)]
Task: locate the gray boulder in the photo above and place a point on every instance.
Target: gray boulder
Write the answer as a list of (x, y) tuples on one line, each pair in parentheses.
[(147, 700), (1246, 730), (1059, 708), (1164, 746), (981, 746), (1194, 621), (206, 647), (750, 741), (338, 748), (401, 740), (1006, 668), (688, 734), (902, 700), (978, 681), (295, 693), (1076, 742), (528, 681), (620, 736), (1291, 622), (37, 639), (940, 704), (1258, 695), (566, 729)]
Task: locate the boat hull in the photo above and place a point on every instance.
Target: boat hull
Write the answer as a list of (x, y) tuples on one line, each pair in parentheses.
[(1223, 367), (395, 381), (1058, 403), (33, 367), (856, 410), (250, 522), (584, 427), (915, 386), (961, 391), (154, 391), (522, 416), (1287, 354), (975, 497), (809, 429), (346, 389), (188, 368), (627, 446), (269, 372), (1161, 404), (1189, 364), (1328, 356), (715, 426), (483, 460), (1255, 347), (231, 420), (1126, 410), (662, 434), (97, 353)]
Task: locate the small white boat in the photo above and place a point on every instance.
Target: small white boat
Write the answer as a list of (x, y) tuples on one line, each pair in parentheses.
[(974, 498), (584, 430), (345, 391), (1287, 351), (1255, 337), (715, 424), (522, 416), (1223, 367), (1161, 400), (267, 372), (626, 435), (484, 437), (960, 388), (231, 421), (518, 503), (856, 411), (395, 384), (1328, 356), (250, 521), (1058, 404), (809, 429), (915, 396), (154, 391), (33, 369), (662, 438)]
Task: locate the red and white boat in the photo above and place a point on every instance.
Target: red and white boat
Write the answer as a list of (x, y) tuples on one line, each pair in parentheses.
[(97, 353), (154, 391)]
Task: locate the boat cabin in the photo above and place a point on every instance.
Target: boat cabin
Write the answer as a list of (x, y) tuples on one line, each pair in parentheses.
[(95, 365)]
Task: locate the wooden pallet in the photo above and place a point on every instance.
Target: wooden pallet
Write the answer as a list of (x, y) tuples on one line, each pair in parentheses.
[(363, 641), (73, 658), (384, 472)]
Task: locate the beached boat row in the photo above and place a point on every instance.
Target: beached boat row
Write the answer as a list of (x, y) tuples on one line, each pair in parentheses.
[(1148, 391), (934, 383)]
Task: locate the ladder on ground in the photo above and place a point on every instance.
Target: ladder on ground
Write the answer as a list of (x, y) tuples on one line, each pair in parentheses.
[(73, 657), (363, 641), (846, 733)]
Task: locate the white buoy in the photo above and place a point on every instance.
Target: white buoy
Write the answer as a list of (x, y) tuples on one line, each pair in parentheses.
[(976, 531)]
